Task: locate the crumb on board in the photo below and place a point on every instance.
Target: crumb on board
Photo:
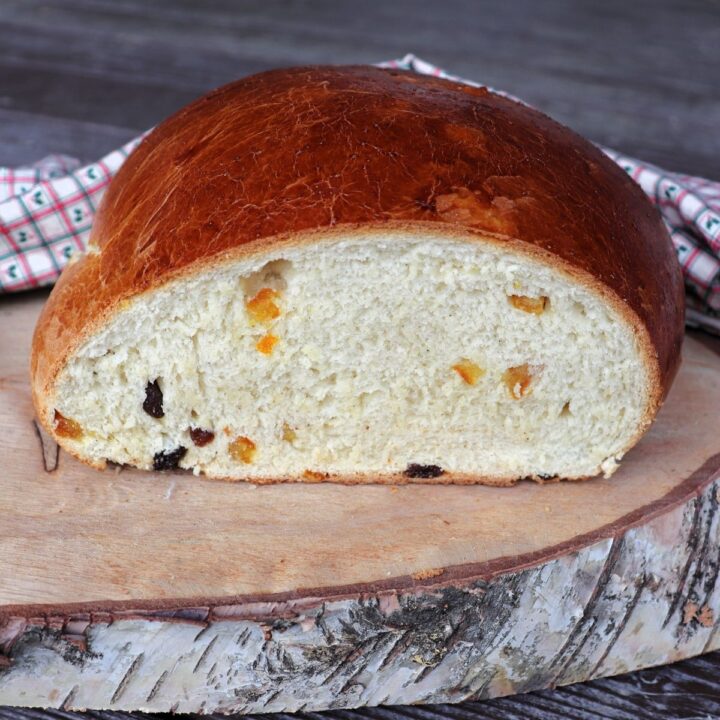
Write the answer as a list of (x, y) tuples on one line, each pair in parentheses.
[(427, 574)]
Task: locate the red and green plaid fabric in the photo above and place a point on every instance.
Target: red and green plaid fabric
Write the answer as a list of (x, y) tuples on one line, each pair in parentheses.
[(46, 213)]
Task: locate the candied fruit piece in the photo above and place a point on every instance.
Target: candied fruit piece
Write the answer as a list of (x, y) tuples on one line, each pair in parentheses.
[(201, 437), (65, 427), (266, 343), (242, 449), (153, 404), (518, 379), (262, 308), (414, 470), (288, 434), (536, 306), (469, 371), (169, 460), (314, 476)]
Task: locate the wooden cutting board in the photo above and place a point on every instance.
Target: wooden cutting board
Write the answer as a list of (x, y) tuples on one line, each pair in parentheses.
[(320, 596)]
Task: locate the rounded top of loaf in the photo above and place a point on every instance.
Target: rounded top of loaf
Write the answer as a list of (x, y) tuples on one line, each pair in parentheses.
[(296, 152)]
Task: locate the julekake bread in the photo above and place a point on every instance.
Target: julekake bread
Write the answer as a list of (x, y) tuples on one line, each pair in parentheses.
[(363, 275)]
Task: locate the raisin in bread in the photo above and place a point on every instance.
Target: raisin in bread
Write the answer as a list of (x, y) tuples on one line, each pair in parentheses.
[(362, 275)]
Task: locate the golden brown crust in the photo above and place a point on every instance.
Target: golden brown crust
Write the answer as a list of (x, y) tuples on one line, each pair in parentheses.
[(288, 155)]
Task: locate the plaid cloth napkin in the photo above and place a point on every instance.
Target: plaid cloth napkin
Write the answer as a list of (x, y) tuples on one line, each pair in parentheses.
[(46, 213)]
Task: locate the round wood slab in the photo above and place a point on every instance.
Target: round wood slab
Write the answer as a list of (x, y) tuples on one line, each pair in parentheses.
[(368, 594)]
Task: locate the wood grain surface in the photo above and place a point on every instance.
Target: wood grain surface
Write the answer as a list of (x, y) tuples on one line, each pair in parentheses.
[(81, 77)]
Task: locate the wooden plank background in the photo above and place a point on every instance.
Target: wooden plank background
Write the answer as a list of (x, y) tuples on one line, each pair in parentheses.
[(83, 76)]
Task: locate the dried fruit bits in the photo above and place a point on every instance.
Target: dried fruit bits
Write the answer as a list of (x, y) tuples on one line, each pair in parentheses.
[(153, 404), (242, 449), (469, 371), (414, 470), (169, 460), (65, 427), (201, 437), (535, 306), (267, 343), (517, 380), (262, 308), (314, 476)]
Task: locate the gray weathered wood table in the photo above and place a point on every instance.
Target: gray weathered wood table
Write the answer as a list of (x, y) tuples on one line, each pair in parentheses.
[(81, 77)]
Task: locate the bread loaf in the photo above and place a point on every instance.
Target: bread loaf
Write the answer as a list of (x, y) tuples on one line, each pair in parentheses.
[(363, 275)]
